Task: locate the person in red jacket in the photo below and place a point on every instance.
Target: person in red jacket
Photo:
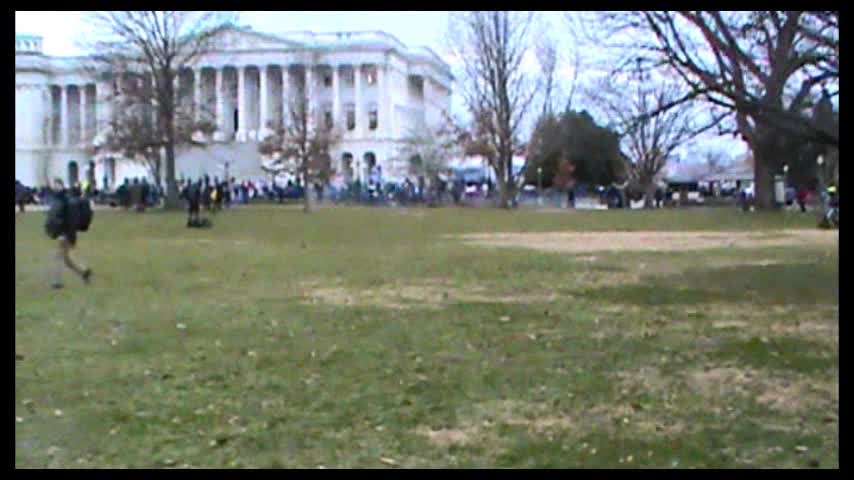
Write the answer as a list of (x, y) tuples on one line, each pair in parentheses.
[(802, 199)]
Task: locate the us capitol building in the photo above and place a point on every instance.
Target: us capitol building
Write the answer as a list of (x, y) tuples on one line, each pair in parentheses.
[(369, 85)]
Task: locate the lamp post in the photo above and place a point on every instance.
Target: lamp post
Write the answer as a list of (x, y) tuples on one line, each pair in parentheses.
[(785, 183), (540, 185), (820, 162)]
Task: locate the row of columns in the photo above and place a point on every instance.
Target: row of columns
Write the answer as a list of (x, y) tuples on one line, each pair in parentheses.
[(87, 122), (265, 108)]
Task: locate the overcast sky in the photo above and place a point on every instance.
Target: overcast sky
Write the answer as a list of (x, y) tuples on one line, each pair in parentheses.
[(61, 30)]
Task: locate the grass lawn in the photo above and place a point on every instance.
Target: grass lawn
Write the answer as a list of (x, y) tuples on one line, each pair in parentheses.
[(359, 337)]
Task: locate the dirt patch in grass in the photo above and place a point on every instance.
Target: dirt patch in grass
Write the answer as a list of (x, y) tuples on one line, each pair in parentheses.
[(820, 322), (587, 242), (447, 437), (722, 386), (427, 293), (721, 319)]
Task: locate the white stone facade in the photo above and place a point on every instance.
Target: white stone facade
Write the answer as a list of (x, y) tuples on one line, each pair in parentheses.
[(375, 89)]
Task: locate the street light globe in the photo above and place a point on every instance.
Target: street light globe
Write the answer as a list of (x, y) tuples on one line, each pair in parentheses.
[(820, 159), (785, 169)]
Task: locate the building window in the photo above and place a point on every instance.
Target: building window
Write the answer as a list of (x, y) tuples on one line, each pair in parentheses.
[(73, 174), (327, 119), (371, 74), (349, 77), (372, 117), (347, 166), (327, 79), (351, 116)]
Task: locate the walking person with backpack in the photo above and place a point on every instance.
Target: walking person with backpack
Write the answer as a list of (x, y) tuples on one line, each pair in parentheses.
[(68, 214)]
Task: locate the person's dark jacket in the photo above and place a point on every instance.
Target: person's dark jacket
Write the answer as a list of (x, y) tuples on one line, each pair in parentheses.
[(58, 222), (21, 193)]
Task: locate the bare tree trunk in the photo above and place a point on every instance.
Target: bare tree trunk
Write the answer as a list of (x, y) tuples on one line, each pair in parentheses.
[(507, 192), (768, 153), (168, 122), (308, 200), (649, 195), (171, 186)]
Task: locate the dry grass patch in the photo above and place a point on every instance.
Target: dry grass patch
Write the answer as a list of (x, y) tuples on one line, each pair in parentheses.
[(781, 393), (720, 386), (428, 293), (447, 437), (588, 242), (815, 323)]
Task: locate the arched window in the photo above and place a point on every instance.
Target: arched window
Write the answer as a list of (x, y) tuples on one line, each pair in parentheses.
[(370, 159), (328, 121), (73, 173), (372, 117), (372, 172), (90, 173), (347, 166), (351, 116), (111, 172)]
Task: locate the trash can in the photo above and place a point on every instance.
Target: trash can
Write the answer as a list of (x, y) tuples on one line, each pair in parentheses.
[(779, 189)]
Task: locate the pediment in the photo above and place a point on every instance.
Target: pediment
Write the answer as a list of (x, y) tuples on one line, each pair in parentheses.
[(236, 39)]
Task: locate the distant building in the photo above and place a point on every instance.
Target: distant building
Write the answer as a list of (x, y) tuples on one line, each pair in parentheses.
[(372, 86)]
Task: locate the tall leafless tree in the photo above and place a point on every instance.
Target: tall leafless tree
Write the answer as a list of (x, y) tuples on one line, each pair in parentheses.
[(650, 134), (302, 145), (766, 67), (547, 57), (134, 132), (497, 91), (159, 44), (428, 152)]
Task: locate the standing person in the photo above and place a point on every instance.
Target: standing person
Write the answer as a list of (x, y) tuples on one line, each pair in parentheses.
[(226, 193), (218, 192), (123, 192), (20, 195), (659, 197), (64, 219), (206, 193), (194, 199), (802, 199), (135, 194)]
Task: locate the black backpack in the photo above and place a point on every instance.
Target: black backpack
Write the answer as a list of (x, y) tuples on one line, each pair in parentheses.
[(56, 216), (80, 211)]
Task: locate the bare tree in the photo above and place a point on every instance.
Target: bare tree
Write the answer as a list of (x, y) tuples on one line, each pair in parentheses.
[(302, 145), (764, 66), (134, 132), (547, 56), (159, 44), (428, 152), (716, 160), (497, 91), (649, 133)]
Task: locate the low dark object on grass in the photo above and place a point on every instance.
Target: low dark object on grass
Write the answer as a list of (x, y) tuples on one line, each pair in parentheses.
[(199, 223)]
